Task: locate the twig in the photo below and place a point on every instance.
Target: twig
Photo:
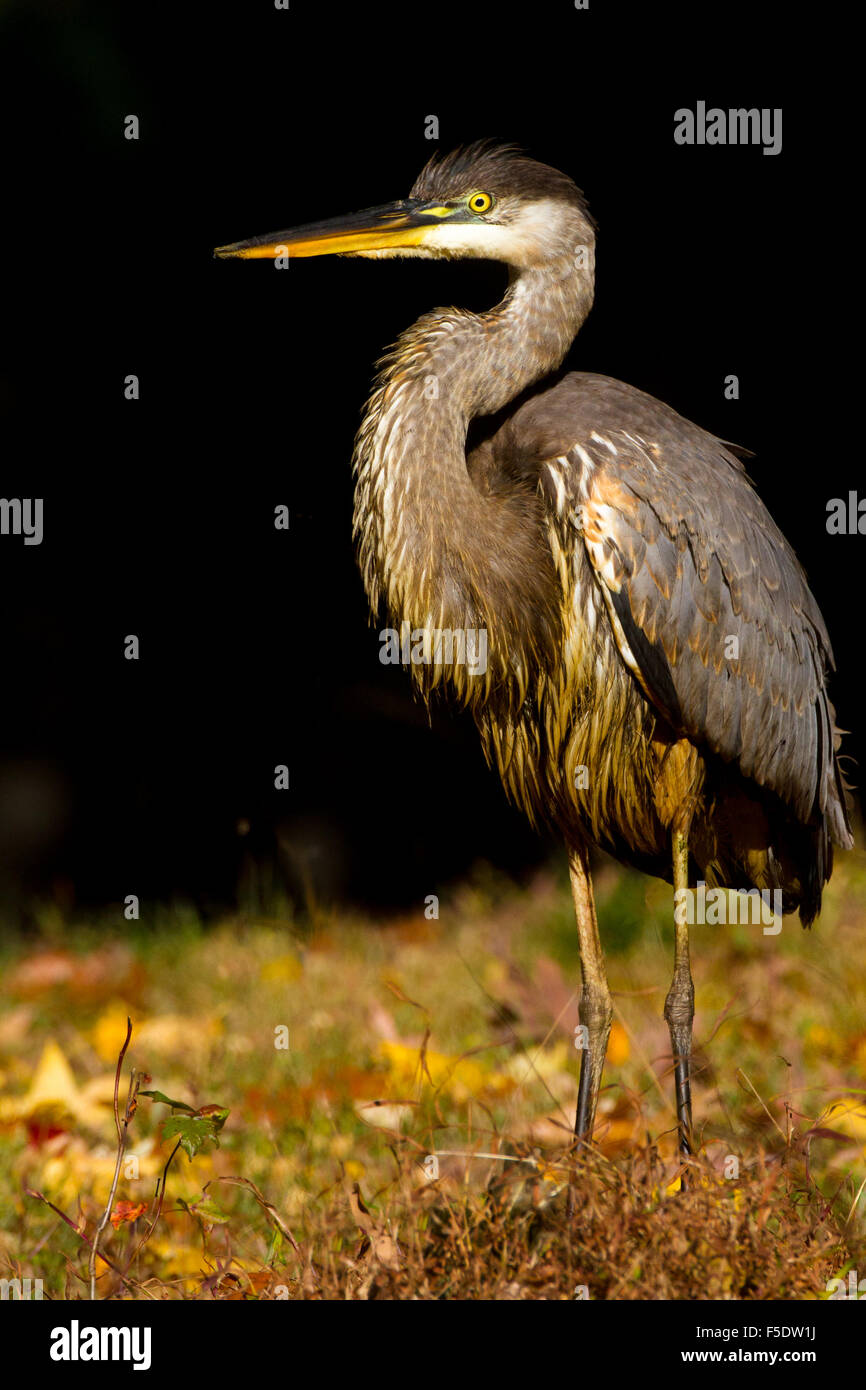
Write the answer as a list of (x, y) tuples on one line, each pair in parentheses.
[(770, 1116), (40, 1197), (160, 1197), (850, 1215), (122, 1128), (268, 1207)]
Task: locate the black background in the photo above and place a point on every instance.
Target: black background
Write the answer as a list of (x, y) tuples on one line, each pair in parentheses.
[(120, 777)]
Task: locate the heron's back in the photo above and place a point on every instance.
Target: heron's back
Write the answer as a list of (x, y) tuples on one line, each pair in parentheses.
[(693, 659)]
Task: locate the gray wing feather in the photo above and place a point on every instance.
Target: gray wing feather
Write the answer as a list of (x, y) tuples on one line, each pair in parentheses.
[(702, 576)]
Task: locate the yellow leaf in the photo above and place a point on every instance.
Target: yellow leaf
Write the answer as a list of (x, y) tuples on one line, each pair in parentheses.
[(109, 1031), (170, 1034), (461, 1076), (281, 970), (618, 1046), (175, 1035), (826, 1042), (181, 1260), (70, 1164), (542, 1063), (849, 1117), (53, 1094)]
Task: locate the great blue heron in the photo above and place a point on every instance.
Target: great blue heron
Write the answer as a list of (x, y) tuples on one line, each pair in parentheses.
[(656, 672)]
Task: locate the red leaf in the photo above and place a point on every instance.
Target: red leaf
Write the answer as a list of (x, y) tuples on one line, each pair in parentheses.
[(127, 1211)]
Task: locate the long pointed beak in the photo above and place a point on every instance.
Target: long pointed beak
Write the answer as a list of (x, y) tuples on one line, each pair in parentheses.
[(392, 227)]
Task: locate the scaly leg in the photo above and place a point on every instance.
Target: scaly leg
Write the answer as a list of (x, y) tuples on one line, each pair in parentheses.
[(596, 1009), (680, 1003)]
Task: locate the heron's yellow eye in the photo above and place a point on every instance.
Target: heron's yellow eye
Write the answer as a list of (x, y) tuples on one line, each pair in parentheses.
[(480, 202)]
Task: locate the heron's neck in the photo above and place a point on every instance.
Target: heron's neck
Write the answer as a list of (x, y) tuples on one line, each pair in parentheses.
[(439, 552)]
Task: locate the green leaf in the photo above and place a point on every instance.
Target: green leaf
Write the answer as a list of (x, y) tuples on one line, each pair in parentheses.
[(166, 1100), (205, 1208), (193, 1132), (275, 1246), (210, 1212)]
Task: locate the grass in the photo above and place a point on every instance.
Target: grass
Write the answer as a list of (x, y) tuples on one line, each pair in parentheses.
[(351, 1054)]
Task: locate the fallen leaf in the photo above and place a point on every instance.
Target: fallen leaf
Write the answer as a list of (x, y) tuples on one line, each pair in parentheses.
[(127, 1212), (55, 1103), (282, 970)]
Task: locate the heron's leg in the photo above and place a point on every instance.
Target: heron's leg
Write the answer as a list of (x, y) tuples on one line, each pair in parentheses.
[(596, 1009), (680, 1003)]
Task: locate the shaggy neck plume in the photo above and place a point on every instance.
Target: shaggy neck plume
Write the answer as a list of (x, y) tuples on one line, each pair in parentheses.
[(441, 554)]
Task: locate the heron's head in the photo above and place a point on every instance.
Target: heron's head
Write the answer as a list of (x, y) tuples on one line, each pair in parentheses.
[(486, 200)]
